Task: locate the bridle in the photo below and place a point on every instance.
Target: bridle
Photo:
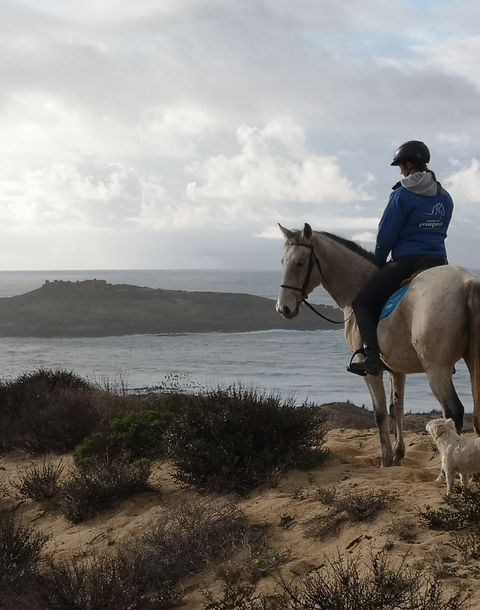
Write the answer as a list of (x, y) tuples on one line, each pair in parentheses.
[(313, 258)]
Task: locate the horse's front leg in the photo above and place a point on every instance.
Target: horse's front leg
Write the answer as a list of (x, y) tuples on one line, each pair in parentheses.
[(379, 400), (397, 394)]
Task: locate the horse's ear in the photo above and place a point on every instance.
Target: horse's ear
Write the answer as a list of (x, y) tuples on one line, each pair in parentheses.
[(286, 232), (307, 232)]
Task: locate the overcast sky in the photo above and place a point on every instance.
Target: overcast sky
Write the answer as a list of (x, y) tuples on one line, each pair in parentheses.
[(177, 133)]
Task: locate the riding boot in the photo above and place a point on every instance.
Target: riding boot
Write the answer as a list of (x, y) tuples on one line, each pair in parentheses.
[(372, 365), (367, 324)]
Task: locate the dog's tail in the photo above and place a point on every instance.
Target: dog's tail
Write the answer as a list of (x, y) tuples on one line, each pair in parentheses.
[(472, 356)]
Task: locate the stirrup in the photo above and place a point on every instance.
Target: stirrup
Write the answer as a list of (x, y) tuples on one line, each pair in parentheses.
[(362, 373), (358, 368)]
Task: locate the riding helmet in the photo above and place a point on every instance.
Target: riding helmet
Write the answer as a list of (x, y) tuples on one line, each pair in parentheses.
[(414, 151)]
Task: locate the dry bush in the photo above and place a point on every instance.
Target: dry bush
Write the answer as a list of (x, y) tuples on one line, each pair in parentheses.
[(45, 411), (349, 584), (251, 564), (145, 575), (92, 490), (120, 581), (326, 495), (468, 544), (197, 533), (405, 530), (41, 482), (21, 548), (353, 507), (231, 440)]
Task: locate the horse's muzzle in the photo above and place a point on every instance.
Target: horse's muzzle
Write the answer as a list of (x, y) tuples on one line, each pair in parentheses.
[(286, 312)]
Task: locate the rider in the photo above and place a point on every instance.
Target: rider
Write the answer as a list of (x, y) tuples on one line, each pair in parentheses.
[(413, 228)]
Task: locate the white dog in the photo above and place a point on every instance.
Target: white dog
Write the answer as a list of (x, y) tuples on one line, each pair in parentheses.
[(459, 453)]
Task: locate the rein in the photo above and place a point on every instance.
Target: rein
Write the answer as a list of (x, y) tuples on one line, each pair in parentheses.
[(313, 258)]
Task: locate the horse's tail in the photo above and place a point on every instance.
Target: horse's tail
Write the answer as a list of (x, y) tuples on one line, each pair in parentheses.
[(472, 356)]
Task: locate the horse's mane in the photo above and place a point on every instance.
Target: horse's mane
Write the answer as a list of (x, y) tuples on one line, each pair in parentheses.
[(351, 245)]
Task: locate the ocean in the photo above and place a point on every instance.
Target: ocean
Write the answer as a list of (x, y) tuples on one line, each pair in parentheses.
[(305, 365)]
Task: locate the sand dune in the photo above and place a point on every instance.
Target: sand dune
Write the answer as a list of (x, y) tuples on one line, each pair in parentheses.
[(288, 508)]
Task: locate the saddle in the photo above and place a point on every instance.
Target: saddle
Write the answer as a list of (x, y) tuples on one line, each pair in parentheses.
[(395, 298)]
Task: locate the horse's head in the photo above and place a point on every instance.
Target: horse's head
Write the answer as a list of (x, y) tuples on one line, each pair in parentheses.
[(299, 266)]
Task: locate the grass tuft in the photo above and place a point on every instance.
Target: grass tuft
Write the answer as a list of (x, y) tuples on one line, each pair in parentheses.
[(353, 507), (39, 483)]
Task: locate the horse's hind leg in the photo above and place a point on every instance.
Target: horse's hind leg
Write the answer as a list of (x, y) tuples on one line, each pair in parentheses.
[(397, 393), (377, 392), (440, 380)]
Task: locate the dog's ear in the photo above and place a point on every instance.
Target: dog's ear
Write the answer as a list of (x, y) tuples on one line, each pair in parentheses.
[(450, 424)]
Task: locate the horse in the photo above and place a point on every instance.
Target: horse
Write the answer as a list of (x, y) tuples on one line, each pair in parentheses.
[(436, 324)]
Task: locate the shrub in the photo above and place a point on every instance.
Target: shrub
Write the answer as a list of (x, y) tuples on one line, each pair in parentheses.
[(463, 510), (232, 440), (327, 495), (405, 530), (40, 482), (145, 575), (20, 551), (197, 533), (110, 582), (136, 435), (344, 583), (45, 411), (353, 506), (468, 544), (96, 489)]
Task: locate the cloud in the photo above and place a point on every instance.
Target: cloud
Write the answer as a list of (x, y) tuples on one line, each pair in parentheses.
[(273, 166), (464, 184), (172, 116), (62, 196)]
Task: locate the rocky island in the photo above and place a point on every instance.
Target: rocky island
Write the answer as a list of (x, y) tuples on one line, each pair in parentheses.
[(95, 308)]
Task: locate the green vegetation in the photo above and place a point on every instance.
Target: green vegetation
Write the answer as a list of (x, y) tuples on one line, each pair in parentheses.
[(135, 435), (463, 511)]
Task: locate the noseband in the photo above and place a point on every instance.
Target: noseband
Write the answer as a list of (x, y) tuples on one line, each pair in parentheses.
[(313, 258)]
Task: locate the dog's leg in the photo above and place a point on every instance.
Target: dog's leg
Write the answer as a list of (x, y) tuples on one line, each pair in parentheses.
[(441, 476), (450, 478)]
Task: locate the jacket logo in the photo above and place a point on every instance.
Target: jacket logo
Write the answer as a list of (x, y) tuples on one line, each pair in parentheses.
[(437, 210)]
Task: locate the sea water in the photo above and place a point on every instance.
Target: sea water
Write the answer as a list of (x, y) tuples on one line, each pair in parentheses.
[(306, 365)]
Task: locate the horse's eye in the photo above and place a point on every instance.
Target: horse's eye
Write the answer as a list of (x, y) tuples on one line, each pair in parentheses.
[(300, 263)]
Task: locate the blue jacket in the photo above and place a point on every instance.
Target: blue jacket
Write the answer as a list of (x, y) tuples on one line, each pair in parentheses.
[(413, 224)]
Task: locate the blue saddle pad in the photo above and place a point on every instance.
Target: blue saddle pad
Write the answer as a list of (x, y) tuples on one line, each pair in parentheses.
[(393, 301)]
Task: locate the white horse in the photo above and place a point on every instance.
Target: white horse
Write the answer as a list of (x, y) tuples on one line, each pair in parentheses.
[(436, 324)]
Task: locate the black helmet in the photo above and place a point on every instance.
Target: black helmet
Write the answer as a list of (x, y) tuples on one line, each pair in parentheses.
[(414, 151)]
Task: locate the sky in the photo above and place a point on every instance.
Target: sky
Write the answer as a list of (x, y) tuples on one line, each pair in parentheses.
[(178, 133)]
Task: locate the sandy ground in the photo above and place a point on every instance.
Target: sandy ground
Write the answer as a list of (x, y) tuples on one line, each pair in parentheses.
[(287, 509)]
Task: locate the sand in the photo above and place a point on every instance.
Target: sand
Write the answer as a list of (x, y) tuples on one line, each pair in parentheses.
[(288, 508)]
